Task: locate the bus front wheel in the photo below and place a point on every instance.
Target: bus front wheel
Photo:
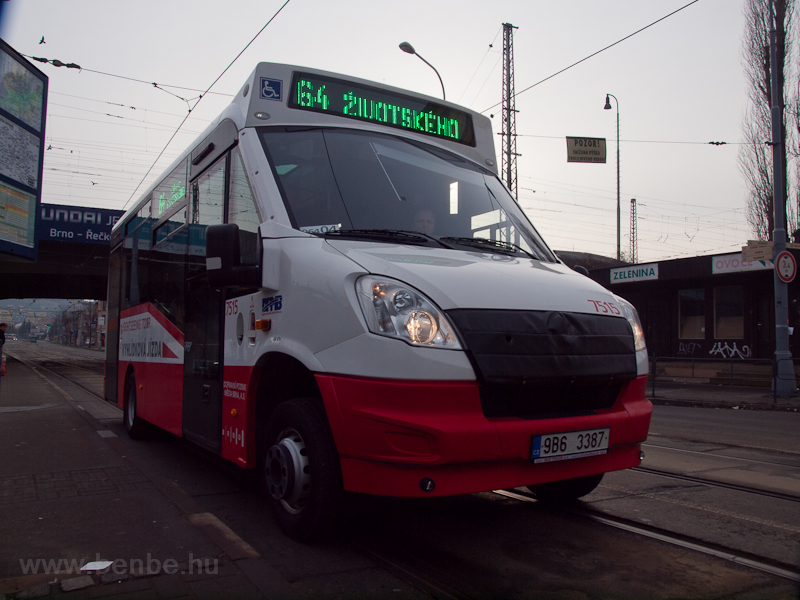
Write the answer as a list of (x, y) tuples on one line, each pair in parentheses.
[(137, 428), (302, 471), (567, 490)]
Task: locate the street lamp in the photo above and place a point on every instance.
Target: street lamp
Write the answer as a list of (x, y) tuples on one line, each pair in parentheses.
[(409, 49), (608, 107)]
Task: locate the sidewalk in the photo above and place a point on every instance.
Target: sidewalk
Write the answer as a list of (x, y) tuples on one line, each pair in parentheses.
[(75, 490), (709, 395), (68, 498)]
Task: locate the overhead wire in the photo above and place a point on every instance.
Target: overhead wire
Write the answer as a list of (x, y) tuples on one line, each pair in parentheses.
[(627, 37), (485, 81), (489, 49), (97, 112), (726, 221), (667, 221), (114, 148), (601, 192), (715, 143), (159, 86), (225, 70), (101, 145), (154, 126), (594, 225)]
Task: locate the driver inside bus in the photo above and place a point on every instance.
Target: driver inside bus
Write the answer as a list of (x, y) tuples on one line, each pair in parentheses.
[(425, 221)]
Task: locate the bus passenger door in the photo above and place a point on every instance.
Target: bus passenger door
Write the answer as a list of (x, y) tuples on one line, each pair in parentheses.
[(202, 391)]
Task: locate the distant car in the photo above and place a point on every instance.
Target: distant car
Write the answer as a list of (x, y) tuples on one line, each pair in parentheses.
[(33, 340), (11, 337)]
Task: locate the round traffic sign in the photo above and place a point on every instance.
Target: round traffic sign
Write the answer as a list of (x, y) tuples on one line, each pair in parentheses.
[(786, 266)]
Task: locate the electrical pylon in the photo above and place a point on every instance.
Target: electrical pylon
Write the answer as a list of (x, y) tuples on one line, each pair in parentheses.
[(509, 133), (634, 241)]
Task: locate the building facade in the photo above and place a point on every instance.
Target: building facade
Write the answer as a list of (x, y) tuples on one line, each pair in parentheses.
[(706, 306)]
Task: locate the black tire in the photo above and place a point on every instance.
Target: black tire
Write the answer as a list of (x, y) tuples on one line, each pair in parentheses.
[(569, 490), (302, 471), (137, 428)]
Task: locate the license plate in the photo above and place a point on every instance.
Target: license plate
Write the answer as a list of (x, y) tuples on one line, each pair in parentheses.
[(570, 444)]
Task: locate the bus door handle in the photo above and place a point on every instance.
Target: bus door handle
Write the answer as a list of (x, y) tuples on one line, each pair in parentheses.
[(251, 334)]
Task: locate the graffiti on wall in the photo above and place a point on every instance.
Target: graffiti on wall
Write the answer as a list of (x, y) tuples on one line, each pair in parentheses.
[(727, 351), (688, 348)]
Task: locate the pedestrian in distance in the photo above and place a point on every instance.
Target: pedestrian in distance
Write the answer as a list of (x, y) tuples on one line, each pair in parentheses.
[(3, 327)]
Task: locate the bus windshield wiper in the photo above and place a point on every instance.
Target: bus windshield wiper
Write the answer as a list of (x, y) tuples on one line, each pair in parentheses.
[(490, 245), (391, 235)]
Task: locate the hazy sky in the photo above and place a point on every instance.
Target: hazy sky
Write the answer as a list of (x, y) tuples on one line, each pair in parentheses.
[(679, 83)]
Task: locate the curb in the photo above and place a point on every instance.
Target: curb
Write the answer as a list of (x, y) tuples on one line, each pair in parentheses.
[(747, 405)]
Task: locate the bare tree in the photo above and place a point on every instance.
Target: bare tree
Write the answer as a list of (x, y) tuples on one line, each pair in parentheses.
[(755, 155)]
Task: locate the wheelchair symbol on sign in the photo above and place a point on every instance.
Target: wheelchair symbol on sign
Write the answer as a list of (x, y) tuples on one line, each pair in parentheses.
[(271, 89)]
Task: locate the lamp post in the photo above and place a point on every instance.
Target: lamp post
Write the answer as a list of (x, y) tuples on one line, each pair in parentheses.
[(409, 49), (608, 107)]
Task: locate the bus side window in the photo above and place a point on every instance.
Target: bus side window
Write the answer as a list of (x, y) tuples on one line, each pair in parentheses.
[(167, 257), (203, 304), (208, 201), (137, 258), (167, 267), (242, 211)]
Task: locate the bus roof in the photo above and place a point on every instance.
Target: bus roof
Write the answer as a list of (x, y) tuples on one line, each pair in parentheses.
[(280, 94)]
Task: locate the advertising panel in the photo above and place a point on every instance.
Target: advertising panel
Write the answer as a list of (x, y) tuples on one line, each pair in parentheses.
[(58, 222), (733, 263), (23, 102)]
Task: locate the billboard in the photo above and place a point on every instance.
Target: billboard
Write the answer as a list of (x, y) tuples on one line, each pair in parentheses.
[(61, 223), (23, 103)]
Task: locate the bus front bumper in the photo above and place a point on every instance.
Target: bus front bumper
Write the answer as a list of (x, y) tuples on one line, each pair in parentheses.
[(396, 437)]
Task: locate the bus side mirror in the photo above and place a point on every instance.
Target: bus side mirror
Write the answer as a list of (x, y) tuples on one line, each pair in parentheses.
[(581, 269), (223, 261)]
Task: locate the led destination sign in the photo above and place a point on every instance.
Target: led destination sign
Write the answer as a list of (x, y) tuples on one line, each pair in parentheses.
[(364, 103)]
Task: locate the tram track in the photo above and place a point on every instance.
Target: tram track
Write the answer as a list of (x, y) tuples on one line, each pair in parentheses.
[(787, 453), (402, 568), (46, 365), (718, 484), (73, 381), (97, 370), (753, 561), (441, 585)]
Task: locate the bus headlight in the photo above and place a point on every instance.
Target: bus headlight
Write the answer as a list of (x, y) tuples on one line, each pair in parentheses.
[(394, 309), (629, 312)]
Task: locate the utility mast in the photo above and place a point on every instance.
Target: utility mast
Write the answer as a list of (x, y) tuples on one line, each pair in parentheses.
[(634, 240), (509, 133), (785, 382)]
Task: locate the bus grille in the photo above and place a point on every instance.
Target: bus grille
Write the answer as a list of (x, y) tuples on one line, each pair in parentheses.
[(543, 364)]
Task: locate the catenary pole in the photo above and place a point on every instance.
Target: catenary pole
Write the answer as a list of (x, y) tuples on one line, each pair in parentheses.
[(785, 383)]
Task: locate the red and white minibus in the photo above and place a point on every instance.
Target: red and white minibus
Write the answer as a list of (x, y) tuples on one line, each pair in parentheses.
[(333, 286)]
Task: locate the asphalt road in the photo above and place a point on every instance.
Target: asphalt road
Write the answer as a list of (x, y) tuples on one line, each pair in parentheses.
[(488, 545), (768, 430)]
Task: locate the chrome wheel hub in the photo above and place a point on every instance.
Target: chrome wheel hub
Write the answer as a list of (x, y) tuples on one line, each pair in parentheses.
[(288, 471)]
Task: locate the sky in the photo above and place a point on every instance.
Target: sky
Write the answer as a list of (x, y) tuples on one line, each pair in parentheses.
[(679, 84)]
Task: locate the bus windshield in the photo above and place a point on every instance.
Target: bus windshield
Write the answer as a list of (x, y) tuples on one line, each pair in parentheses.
[(355, 183)]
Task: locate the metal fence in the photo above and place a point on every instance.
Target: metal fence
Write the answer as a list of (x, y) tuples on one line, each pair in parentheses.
[(730, 371)]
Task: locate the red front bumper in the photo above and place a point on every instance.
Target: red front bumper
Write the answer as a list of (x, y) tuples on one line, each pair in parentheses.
[(392, 434)]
